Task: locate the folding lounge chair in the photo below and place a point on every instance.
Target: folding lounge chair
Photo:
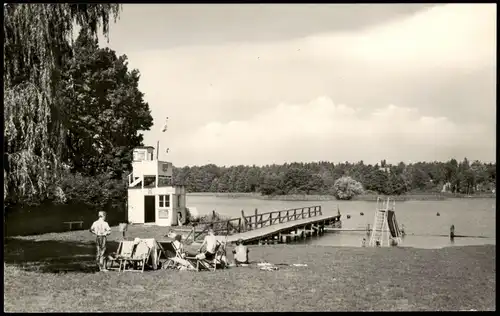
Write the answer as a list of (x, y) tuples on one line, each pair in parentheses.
[(211, 265), (140, 255), (159, 252), (175, 259), (125, 249), (171, 252)]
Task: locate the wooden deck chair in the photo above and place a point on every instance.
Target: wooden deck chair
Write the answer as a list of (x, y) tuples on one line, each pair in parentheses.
[(175, 259), (159, 252), (125, 250), (211, 265), (140, 255), (171, 252)]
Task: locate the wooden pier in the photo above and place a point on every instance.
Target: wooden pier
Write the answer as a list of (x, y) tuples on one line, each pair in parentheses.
[(303, 228), (270, 227)]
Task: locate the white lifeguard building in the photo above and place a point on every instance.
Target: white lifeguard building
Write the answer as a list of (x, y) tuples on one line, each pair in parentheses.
[(152, 197)]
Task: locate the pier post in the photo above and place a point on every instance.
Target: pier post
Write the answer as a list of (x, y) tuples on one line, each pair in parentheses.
[(243, 222), (256, 223)]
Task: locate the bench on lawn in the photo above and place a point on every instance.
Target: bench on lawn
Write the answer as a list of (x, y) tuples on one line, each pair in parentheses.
[(77, 223)]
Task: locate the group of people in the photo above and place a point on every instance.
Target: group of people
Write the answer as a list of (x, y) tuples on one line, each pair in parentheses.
[(210, 244), (100, 228)]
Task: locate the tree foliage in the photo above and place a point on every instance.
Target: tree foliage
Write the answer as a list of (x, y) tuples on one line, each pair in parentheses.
[(37, 42), (100, 191), (320, 177), (104, 110), (345, 188)]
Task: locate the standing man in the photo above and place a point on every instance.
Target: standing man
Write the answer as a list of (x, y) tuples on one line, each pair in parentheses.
[(101, 229)]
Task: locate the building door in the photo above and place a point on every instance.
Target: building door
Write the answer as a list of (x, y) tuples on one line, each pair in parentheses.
[(149, 209)]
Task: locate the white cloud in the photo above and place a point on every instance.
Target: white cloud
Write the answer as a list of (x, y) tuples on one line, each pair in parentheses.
[(454, 35), (322, 130), (251, 102)]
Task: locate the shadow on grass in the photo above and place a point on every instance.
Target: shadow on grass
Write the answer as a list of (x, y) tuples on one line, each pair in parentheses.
[(52, 256)]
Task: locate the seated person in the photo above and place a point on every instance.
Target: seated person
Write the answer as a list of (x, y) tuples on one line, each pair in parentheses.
[(179, 218), (240, 253), (210, 242)]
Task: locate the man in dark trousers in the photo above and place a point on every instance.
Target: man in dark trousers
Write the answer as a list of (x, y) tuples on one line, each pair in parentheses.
[(101, 229)]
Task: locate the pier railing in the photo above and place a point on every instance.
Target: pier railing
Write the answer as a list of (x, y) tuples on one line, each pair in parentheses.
[(252, 222), (257, 220), (225, 227)]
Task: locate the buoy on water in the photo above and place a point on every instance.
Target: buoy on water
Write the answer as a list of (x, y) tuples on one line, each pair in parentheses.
[(348, 216), (437, 214), (361, 213)]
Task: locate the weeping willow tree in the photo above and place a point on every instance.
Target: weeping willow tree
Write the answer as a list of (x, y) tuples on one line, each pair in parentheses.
[(37, 41)]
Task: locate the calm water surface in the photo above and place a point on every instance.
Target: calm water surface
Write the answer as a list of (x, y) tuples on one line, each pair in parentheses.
[(471, 217)]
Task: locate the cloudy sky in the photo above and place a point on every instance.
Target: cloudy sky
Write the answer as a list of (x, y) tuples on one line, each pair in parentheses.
[(262, 84)]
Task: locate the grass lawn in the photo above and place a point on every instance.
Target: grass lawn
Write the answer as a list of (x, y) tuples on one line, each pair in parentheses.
[(56, 273)]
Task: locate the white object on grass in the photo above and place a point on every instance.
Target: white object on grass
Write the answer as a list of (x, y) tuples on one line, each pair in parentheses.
[(269, 268)]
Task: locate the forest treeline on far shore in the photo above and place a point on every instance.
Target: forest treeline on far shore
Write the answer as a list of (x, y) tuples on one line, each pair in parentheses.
[(342, 180), (462, 177)]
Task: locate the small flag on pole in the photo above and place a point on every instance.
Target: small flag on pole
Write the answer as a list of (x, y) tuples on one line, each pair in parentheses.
[(164, 129)]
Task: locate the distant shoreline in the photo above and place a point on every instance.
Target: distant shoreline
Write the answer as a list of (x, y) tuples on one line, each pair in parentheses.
[(364, 197)]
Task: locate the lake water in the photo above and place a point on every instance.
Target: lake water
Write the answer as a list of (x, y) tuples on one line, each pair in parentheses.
[(471, 217)]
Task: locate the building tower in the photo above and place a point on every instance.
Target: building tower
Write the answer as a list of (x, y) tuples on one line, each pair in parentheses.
[(152, 197)]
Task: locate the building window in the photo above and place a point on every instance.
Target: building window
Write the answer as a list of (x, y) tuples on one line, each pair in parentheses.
[(139, 155), (164, 200), (179, 200)]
